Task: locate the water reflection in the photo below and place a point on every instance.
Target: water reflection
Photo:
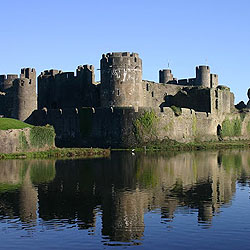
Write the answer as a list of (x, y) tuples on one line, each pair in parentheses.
[(123, 188), (18, 195)]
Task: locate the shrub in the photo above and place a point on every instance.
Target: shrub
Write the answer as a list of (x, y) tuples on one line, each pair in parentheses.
[(42, 136), (231, 128)]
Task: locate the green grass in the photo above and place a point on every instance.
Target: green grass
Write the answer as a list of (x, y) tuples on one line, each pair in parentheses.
[(8, 123), (60, 153), (5, 187), (171, 145)]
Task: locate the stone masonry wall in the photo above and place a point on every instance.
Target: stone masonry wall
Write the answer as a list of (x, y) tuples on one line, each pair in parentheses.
[(123, 127), (21, 140), (58, 89)]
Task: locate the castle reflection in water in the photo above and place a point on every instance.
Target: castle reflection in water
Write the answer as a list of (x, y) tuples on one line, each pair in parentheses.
[(123, 188)]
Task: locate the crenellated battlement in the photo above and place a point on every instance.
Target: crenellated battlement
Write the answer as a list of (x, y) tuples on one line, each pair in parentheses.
[(65, 75), (49, 73), (6, 81), (29, 73), (85, 67), (127, 60), (11, 76), (120, 54)]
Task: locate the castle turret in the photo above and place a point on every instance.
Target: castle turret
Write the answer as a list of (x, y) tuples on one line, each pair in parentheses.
[(165, 76), (87, 72), (6, 82), (121, 80), (7, 97), (203, 76), (214, 80), (24, 91)]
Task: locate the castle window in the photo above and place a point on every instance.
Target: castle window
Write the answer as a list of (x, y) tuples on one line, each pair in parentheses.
[(147, 87), (30, 81), (216, 103), (118, 92), (152, 93), (135, 59)]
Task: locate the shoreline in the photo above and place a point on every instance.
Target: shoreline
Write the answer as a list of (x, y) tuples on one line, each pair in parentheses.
[(159, 146), (169, 145), (60, 153)]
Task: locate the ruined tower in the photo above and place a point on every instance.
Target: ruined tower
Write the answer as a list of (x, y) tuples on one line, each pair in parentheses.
[(24, 92), (165, 76), (6, 94), (121, 80), (203, 76), (6, 82)]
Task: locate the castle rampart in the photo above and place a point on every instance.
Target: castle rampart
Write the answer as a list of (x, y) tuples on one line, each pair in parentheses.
[(116, 127), (57, 89)]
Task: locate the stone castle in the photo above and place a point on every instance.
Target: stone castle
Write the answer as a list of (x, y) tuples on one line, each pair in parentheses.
[(111, 112)]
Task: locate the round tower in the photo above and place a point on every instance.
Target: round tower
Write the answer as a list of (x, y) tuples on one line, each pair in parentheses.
[(165, 76), (121, 80), (24, 88), (203, 76)]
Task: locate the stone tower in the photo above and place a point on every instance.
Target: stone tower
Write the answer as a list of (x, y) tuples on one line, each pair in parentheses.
[(24, 91), (165, 76), (6, 94), (7, 82), (203, 76), (121, 80)]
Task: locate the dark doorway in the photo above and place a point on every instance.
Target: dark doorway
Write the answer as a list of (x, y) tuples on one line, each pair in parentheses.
[(219, 134)]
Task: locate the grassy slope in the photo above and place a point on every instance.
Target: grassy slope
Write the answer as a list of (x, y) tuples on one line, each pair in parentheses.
[(8, 123)]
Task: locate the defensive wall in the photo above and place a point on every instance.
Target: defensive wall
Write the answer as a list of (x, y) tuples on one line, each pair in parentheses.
[(26, 140), (126, 127), (57, 89)]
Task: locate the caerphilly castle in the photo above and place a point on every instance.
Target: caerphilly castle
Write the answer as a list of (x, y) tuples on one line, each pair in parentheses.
[(122, 109)]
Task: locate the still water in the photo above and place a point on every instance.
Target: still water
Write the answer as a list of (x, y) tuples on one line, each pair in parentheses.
[(197, 200)]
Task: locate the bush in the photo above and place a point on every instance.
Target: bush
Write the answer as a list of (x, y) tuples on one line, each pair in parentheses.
[(42, 136), (231, 128)]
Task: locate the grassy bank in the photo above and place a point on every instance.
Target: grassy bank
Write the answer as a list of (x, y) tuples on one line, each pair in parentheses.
[(171, 145), (60, 153), (9, 123)]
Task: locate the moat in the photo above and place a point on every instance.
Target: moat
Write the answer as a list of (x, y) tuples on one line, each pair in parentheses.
[(190, 200)]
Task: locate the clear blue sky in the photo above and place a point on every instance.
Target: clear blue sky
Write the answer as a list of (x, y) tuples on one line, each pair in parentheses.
[(63, 34)]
